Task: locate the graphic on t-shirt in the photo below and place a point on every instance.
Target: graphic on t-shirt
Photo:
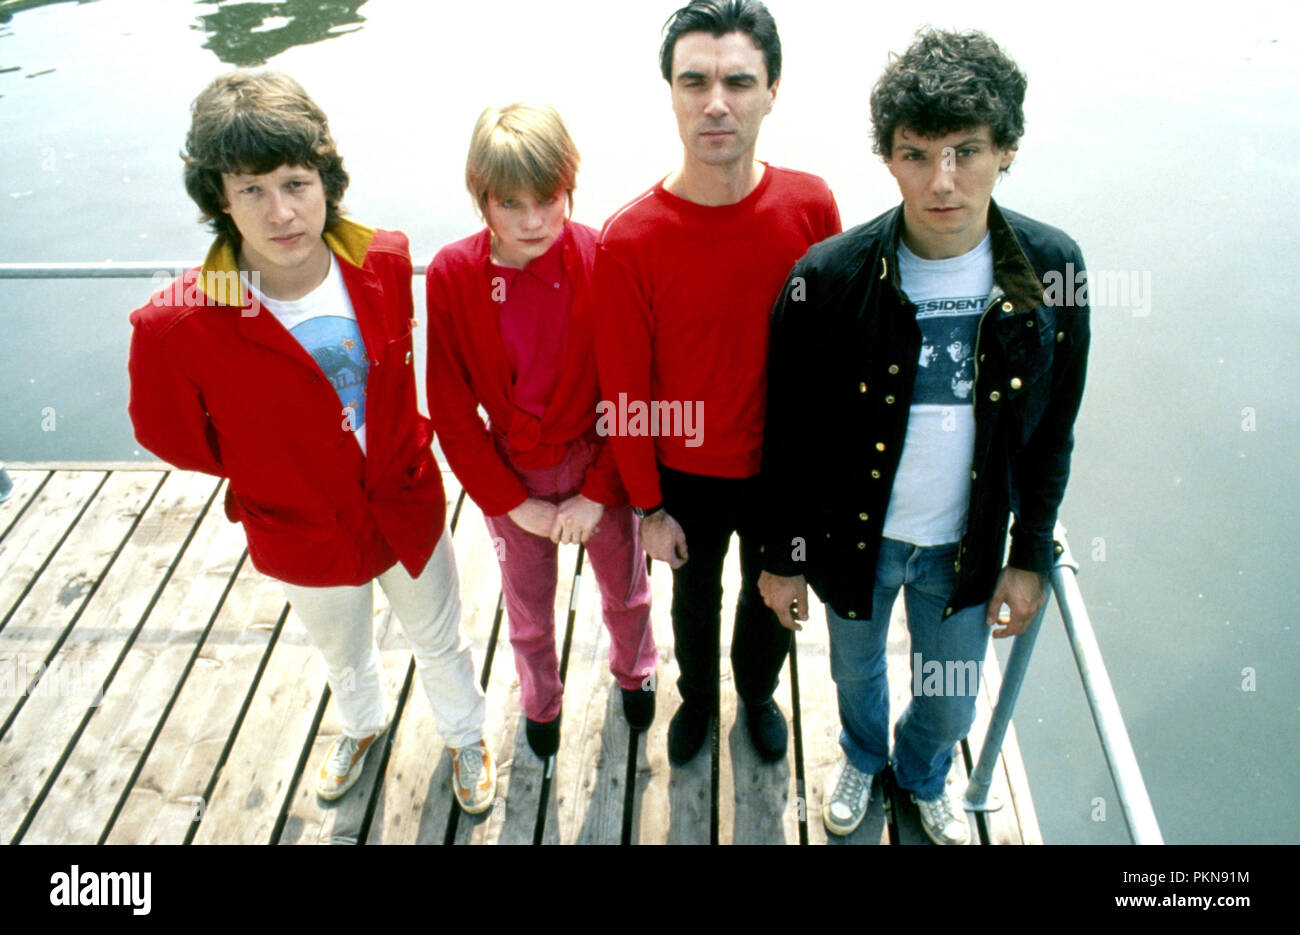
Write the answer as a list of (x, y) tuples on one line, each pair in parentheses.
[(335, 344), (946, 372)]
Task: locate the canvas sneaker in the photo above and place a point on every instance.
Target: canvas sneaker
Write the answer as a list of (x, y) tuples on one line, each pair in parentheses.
[(846, 806), (943, 820), (474, 778), (344, 761)]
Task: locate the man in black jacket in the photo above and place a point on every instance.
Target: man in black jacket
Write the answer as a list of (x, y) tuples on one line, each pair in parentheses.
[(925, 372)]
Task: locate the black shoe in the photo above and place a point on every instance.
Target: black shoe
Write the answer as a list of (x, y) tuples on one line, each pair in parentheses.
[(767, 729), (543, 739), (638, 707), (686, 733)]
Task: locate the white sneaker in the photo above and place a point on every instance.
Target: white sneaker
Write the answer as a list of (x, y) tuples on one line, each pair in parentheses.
[(344, 761), (943, 820), (846, 805), (474, 777)]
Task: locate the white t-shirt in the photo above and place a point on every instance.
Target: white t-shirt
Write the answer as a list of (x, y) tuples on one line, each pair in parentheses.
[(325, 324), (931, 493)]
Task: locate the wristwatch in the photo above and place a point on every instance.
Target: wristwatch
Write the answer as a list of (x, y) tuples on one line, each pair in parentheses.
[(644, 513)]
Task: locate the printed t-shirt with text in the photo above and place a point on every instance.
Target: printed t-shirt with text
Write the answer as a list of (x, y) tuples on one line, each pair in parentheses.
[(928, 503)]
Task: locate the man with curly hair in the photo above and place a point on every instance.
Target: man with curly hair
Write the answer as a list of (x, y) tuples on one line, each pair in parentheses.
[(927, 333)]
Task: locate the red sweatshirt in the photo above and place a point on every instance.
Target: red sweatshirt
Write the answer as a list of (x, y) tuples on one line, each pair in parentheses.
[(684, 292), (468, 366)]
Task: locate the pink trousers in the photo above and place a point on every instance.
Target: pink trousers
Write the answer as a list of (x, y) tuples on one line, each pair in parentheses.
[(528, 579)]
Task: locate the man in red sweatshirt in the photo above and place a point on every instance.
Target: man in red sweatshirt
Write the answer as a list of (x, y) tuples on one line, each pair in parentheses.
[(685, 278)]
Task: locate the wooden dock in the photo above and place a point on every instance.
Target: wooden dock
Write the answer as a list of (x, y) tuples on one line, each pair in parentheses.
[(155, 688)]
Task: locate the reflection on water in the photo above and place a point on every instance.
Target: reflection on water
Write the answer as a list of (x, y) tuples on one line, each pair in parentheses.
[(244, 34), (9, 7)]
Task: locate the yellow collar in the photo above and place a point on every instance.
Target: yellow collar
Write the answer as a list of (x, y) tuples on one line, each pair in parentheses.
[(219, 276)]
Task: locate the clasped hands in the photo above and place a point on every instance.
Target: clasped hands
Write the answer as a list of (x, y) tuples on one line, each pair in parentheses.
[(573, 521)]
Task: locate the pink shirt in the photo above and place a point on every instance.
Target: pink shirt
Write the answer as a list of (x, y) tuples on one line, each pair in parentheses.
[(533, 316)]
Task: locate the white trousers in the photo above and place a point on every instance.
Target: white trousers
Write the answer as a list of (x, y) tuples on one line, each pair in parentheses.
[(339, 622)]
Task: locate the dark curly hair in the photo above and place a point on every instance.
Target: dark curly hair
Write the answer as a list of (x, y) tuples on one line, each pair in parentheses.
[(251, 123), (719, 17), (945, 82)]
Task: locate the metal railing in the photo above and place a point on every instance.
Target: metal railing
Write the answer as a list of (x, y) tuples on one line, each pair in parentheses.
[(1106, 716), (110, 269)]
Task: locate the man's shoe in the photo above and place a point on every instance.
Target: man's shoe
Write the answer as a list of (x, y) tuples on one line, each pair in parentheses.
[(473, 777), (638, 707), (943, 820), (686, 733), (846, 804), (767, 730), (344, 761), (543, 736)]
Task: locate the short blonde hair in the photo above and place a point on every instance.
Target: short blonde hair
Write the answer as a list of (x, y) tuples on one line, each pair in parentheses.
[(517, 148)]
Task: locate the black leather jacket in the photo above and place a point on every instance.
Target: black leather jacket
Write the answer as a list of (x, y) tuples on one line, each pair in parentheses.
[(841, 368)]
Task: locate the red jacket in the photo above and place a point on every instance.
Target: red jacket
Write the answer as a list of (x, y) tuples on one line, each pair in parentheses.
[(468, 366), (220, 386)]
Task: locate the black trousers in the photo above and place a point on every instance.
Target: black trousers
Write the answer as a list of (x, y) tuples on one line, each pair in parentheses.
[(709, 510)]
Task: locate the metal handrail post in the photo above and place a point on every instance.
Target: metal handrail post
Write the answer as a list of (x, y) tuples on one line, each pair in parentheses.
[(1121, 759), (977, 797)]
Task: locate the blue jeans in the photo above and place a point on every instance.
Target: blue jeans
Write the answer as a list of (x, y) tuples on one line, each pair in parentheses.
[(945, 677)]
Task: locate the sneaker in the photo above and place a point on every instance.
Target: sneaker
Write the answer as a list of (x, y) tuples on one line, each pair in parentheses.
[(686, 732), (638, 707), (846, 806), (474, 778), (942, 820), (767, 730), (543, 736), (344, 761)]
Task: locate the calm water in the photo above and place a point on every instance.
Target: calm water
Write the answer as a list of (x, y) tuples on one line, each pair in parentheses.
[(1168, 148)]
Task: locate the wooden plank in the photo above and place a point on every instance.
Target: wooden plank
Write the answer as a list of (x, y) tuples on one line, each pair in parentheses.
[(1001, 825), (756, 799), (504, 729), (117, 738), (654, 819), (58, 597), (524, 784), (273, 763), (308, 818), (1013, 764), (591, 768), (40, 717), (170, 794), (690, 796), (821, 731), (32, 540), (25, 485), (261, 771)]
